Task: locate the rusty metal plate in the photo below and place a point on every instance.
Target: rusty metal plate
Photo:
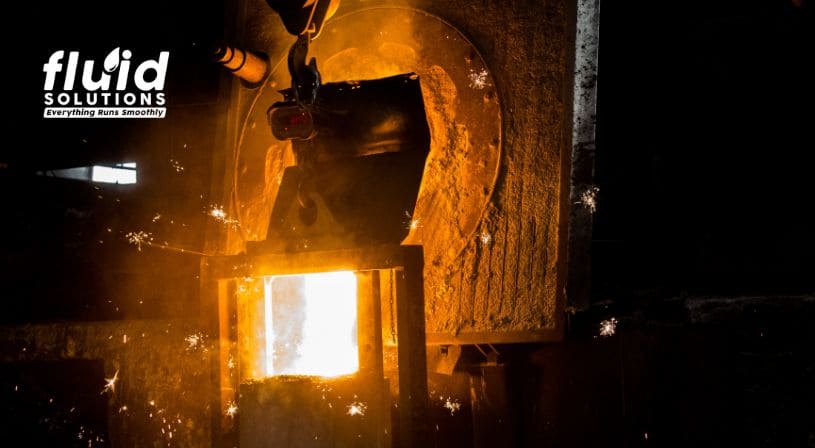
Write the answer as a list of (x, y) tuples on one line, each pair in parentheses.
[(462, 109)]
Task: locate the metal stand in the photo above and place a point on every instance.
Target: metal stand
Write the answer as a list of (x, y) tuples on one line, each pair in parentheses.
[(263, 418)]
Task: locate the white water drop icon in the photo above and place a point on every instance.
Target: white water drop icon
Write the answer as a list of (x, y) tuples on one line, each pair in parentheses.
[(112, 61)]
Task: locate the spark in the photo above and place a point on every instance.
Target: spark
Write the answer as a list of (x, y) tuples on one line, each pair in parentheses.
[(230, 363), (110, 383), (217, 212), (485, 238), (177, 166), (356, 408), (608, 327), (411, 223), (157, 217), (124, 339), (452, 406), (194, 341), (139, 238), (478, 80), (231, 409), (142, 238), (588, 198), (123, 409)]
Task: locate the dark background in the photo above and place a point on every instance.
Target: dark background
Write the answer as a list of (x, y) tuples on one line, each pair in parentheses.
[(63, 247), (704, 148), (703, 246)]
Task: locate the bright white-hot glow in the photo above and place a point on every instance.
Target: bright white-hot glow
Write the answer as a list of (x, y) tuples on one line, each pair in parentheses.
[(269, 324), (311, 324)]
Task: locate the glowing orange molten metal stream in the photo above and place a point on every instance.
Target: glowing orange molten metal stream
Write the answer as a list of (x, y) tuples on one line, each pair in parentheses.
[(324, 316)]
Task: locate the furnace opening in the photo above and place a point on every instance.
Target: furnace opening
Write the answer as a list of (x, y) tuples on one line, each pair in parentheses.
[(310, 324)]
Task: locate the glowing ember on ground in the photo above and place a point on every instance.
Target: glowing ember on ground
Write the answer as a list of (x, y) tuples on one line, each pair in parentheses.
[(231, 409), (110, 383), (139, 238), (356, 408), (588, 198), (608, 327), (452, 406)]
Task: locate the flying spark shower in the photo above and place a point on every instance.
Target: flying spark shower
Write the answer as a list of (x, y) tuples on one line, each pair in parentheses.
[(139, 238)]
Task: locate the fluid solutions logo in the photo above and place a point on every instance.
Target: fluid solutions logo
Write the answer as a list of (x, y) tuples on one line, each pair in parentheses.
[(110, 94)]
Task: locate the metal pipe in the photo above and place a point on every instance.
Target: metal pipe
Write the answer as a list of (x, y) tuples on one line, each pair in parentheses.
[(252, 68)]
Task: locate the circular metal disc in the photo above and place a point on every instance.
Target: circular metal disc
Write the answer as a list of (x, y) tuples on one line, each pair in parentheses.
[(463, 114)]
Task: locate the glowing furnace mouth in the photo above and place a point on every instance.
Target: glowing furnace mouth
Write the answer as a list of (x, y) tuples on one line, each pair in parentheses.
[(311, 324)]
